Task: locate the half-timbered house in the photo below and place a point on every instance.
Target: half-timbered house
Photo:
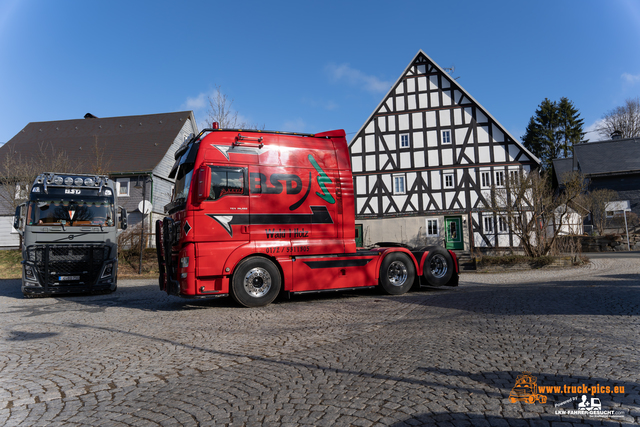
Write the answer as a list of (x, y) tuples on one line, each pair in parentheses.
[(426, 159)]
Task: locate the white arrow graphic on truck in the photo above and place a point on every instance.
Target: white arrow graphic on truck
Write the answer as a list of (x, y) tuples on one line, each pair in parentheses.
[(318, 215)]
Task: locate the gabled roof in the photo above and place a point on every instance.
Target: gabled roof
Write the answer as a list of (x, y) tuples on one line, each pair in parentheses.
[(129, 143), (455, 85), (611, 157), (607, 157)]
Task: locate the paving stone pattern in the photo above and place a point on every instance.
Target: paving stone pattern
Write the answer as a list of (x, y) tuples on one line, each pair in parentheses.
[(446, 357)]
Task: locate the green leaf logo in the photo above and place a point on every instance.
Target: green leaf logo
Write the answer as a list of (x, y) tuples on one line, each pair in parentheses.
[(322, 180)]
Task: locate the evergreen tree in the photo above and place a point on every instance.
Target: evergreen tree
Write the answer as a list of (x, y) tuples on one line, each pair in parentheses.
[(553, 131)]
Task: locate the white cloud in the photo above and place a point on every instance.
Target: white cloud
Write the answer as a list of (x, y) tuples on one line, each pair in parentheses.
[(197, 103), (592, 131), (355, 77), (630, 78)]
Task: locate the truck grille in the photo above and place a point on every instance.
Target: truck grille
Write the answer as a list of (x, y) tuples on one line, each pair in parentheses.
[(67, 265)]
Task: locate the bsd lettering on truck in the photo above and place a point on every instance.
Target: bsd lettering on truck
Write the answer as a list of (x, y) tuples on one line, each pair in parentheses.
[(255, 214)]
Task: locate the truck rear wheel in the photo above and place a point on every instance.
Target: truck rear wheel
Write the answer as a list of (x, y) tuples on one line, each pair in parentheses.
[(397, 273), (438, 267), (256, 282)]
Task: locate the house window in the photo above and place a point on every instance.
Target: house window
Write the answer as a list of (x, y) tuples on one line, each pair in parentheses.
[(514, 177), (502, 225), (485, 179), (499, 178), (488, 224), (446, 137), (432, 227), (404, 140), (123, 187), (398, 184), (448, 180)]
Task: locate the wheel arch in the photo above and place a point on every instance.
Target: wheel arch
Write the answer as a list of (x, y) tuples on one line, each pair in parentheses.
[(387, 251), (233, 266)]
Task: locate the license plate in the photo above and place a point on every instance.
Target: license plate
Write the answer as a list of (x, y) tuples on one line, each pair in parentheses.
[(63, 278)]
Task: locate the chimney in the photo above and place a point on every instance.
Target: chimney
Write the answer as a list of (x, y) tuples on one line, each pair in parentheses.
[(616, 134)]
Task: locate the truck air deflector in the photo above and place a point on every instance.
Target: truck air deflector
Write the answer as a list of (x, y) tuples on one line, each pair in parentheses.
[(319, 215)]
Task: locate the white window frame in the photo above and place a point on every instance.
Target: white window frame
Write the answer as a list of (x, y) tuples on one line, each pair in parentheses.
[(446, 137), (397, 179), (499, 178), (453, 180), (405, 137), (431, 224), (122, 181), (485, 179), (487, 224)]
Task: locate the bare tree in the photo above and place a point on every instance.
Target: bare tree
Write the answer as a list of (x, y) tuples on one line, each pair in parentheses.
[(221, 112), (18, 173), (100, 162), (533, 211), (625, 119), (596, 203)]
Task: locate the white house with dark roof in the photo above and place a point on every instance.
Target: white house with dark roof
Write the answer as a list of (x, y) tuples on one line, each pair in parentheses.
[(612, 164), (138, 153), (425, 160)]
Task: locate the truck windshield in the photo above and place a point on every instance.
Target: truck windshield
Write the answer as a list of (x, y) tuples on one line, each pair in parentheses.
[(94, 211)]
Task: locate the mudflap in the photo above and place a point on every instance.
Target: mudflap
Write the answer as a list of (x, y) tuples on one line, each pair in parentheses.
[(455, 278), (171, 285), (162, 276)]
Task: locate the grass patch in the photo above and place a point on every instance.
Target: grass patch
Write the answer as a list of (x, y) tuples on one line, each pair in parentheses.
[(128, 262), (10, 267), (508, 260)]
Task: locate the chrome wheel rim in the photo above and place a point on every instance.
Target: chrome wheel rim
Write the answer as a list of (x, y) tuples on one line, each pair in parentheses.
[(438, 266), (397, 273), (257, 282)]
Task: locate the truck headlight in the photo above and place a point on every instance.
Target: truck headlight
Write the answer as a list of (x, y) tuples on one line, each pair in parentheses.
[(108, 270), (29, 273), (184, 262)]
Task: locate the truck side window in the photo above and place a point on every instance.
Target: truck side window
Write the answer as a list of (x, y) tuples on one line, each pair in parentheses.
[(226, 181)]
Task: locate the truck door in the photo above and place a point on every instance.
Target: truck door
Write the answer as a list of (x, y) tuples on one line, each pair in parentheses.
[(222, 222), (271, 221)]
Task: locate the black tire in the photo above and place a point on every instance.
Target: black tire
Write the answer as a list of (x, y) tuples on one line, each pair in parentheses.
[(256, 282), (438, 267), (397, 273)]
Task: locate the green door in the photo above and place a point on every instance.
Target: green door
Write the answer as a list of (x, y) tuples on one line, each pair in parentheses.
[(453, 232), (358, 235)]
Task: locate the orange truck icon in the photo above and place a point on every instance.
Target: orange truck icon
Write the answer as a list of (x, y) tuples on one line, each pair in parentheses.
[(526, 390)]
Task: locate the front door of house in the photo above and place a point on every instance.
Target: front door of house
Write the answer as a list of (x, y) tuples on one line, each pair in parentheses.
[(453, 232)]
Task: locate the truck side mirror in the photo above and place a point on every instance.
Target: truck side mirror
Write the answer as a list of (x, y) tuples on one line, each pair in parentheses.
[(204, 183), (123, 218), (18, 219)]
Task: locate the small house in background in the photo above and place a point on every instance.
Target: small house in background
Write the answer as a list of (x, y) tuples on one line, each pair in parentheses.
[(612, 164), (424, 163), (136, 151)]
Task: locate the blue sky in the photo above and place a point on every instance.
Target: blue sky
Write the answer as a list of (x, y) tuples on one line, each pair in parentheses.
[(309, 66)]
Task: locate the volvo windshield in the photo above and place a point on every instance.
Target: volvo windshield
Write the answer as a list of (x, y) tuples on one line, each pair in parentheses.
[(87, 211)]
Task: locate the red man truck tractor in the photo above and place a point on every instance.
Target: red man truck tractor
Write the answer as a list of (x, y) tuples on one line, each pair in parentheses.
[(257, 213)]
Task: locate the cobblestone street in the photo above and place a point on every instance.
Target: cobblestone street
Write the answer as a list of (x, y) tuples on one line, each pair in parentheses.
[(446, 357)]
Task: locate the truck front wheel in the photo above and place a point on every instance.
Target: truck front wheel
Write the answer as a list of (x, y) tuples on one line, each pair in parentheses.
[(256, 282), (397, 273)]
